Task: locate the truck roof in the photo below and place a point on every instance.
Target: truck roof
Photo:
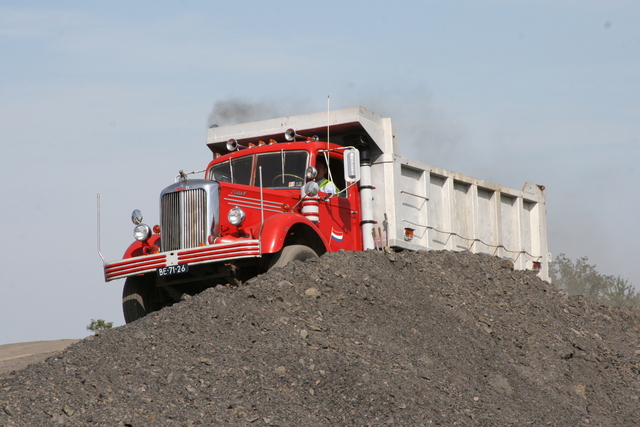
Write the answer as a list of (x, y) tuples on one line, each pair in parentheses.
[(354, 126)]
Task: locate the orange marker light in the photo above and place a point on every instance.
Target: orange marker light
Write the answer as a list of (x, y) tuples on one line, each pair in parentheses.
[(408, 234)]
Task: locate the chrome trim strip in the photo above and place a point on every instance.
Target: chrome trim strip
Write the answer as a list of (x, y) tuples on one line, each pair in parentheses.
[(241, 205), (251, 199), (255, 203)]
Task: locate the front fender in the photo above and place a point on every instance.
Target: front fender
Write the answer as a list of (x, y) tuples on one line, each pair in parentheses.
[(142, 248), (291, 228)]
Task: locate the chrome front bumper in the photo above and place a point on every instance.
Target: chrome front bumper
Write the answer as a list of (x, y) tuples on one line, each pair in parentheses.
[(204, 254)]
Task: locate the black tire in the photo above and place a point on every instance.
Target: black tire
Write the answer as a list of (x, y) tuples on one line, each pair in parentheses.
[(141, 297), (291, 253)]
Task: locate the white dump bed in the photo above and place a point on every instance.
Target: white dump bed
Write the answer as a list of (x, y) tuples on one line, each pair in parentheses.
[(427, 207), (414, 205)]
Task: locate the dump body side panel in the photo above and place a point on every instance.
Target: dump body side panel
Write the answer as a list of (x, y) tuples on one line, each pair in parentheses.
[(425, 207)]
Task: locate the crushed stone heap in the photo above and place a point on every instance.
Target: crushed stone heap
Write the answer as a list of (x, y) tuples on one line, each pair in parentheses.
[(351, 339)]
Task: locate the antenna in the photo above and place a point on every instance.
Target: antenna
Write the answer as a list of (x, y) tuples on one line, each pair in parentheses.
[(327, 157), (99, 251), (328, 120)]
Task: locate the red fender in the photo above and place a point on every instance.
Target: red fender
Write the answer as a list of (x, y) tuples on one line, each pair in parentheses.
[(142, 248), (276, 229)]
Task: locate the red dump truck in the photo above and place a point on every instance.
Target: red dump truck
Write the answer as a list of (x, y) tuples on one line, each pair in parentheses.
[(258, 206)]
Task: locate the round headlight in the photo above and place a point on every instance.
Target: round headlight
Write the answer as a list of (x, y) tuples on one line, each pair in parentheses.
[(236, 216), (142, 232)]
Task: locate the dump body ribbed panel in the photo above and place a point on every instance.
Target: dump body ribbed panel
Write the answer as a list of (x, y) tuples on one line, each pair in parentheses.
[(183, 221)]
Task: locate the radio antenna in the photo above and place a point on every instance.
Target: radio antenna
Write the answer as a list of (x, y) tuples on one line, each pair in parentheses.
[(327, 157), (328, 111), (99, 250)]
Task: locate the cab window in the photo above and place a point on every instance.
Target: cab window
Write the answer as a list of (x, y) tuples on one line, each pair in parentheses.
[(236, 171), (283, 169), (336, 166)]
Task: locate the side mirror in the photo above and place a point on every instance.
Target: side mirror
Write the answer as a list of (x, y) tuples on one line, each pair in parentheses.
[(136, 217), (351, 165), (311, 173), (310, 189)]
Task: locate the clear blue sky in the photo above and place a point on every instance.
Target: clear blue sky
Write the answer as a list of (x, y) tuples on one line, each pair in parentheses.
[(114, 98)]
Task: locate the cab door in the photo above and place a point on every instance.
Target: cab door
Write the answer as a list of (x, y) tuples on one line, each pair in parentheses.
[(339, 214)]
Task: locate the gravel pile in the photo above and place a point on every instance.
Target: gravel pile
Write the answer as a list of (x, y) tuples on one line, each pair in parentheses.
[(351, 339)]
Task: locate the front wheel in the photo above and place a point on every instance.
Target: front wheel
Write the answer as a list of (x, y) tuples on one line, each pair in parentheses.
[(140, 296), (291, 253)]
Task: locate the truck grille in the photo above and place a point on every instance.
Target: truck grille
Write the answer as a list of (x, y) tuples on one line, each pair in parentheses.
[(183, 219)]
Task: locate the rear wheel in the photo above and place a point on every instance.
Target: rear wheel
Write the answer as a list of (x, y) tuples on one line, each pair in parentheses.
[(140, 296), (291, 253)]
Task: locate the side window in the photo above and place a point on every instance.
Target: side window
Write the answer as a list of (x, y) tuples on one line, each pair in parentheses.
[(220, 172), (336, 169), (242, 168), (237, 171)]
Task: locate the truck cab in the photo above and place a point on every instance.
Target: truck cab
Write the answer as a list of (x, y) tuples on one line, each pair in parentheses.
[(256, 207)]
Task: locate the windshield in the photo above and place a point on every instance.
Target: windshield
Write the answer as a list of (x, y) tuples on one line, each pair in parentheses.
[(281, 169)]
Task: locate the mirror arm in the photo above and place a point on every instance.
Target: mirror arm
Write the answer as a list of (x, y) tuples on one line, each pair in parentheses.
[(300, 201)]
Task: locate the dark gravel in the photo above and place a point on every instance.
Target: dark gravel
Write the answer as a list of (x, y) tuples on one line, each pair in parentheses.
[(351, 339)]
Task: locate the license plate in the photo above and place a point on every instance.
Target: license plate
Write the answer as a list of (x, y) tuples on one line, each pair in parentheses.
[(170, 270)]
